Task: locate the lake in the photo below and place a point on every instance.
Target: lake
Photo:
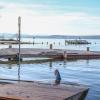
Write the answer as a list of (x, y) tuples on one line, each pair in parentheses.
[(80, 71)]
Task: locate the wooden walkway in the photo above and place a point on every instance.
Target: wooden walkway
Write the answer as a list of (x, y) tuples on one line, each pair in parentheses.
[(42, 91), (49, 53)]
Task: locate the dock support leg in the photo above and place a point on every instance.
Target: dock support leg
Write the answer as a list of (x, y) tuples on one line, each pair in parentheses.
[(65, 55), (51, 46), (9, 59)]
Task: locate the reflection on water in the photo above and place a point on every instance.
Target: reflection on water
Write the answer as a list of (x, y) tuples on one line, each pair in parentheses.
[(50, 64), (81, 71), (19, 72)]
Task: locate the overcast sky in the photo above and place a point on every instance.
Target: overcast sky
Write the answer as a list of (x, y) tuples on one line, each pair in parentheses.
[(52, 17)]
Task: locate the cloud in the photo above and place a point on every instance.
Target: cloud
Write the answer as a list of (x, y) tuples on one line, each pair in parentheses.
[(42, 19), (1, 7), (21, 6), (74, 23)]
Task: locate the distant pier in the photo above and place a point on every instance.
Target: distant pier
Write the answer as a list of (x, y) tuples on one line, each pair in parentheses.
[(5, 41)]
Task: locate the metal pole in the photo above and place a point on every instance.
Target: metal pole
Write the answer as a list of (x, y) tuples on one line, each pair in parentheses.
[(19, 26), (19, 31)]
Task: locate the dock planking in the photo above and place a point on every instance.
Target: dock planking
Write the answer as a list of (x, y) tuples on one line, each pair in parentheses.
[(42, 91), (49, 53)]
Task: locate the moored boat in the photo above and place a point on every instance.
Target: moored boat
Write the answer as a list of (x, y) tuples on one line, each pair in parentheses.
[(77, 42)]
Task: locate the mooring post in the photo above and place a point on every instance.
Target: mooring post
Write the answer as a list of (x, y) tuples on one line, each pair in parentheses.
[(10, 46), (65, 54), (9, 59), (33, 40), (51, 46), (88, 49), (59, 43)]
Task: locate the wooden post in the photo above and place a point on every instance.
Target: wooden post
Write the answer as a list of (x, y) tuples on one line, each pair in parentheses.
[(33, 40), (10, 46), (65, 55), (9, 59), (88, 49), (51, 47), (59, 43)]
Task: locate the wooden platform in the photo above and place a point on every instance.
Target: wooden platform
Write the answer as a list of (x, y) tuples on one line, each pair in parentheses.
[(42, 91), (9, 98), (49, 53), (10, 42)]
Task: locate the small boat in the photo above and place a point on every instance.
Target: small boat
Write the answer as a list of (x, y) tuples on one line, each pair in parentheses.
[(77, 42)]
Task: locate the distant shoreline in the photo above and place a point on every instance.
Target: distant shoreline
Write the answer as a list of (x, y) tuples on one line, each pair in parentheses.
[(12, 36)]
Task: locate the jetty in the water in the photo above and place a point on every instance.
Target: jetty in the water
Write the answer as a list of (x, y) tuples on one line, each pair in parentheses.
[(42, 91), (10, 42), (12, 53)]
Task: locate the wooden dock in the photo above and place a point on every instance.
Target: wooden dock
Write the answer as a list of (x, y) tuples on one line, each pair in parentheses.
[(42, 91), (48, 53), (11, 42)]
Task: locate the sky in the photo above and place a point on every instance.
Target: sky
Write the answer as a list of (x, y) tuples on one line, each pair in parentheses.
[(50, 17)]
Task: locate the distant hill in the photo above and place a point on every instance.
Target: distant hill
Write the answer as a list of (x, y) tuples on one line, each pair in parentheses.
[(69, 37), (13, 35), (76, 37)]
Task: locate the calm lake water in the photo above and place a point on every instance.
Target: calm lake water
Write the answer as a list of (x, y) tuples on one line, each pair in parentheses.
[(80, 71)]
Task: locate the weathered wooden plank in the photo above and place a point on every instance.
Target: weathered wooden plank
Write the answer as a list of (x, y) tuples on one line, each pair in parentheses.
[(43, 91), (9, 98), (47, 53)]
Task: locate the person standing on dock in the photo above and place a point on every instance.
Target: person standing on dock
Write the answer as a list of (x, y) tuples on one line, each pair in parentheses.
[(58, 77)]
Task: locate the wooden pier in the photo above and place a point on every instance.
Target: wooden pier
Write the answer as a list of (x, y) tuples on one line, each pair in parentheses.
[(11, 42), (42, 91), (48, 53)]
